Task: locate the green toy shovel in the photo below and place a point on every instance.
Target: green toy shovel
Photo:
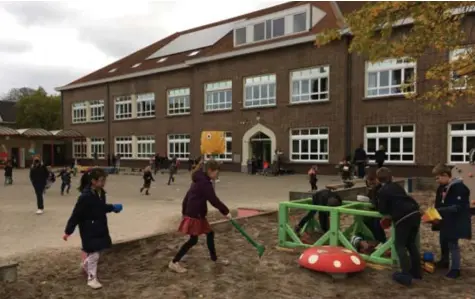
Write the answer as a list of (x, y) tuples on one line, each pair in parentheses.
[(260, 248)]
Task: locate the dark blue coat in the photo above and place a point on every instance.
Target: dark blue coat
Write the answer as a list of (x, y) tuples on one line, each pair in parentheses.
[(90, 214), (453, 204)]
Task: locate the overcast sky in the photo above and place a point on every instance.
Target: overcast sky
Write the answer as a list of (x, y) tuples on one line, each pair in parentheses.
[(52, 43)]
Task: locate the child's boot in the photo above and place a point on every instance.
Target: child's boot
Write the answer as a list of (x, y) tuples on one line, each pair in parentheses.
[(94, 283)]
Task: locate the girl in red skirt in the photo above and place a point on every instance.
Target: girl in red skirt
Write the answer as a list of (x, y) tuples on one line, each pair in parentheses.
[(194, 212)]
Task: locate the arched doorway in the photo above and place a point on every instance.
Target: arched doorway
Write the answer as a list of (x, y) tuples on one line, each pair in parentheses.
[(258, 141)]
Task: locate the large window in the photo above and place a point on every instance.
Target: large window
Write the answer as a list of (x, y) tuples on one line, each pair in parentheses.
[(179, 146), (309, 145), (461, 141), (123, 147), (179, 101), (98, 146), (79, 148), (123, 107), (79, 112), (310, 85), (260, 91), (97, 110), (390, 77), (454, 56), (228, 155), (146, 105), (218, 96), (397, 140), (145, 147)]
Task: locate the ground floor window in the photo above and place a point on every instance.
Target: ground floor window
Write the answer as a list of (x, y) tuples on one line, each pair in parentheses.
[(398, 142), (123, 147), (228, 155), (98, 147), (79, 148), (145, 147), (179, 146), (309, 145), (461, 141)]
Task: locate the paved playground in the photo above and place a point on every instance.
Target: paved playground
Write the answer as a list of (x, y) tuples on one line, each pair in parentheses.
[(22, 231)]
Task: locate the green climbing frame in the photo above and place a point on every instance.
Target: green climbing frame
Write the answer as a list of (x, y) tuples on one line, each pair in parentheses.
[(336, 236)]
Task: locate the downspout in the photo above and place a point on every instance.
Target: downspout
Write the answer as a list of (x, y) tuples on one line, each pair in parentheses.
[(108, 115), (62, 112), (348, 106)]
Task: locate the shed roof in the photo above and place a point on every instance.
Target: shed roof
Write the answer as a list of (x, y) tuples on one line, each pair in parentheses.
[(67, 133), (6, 131), (34, 132)]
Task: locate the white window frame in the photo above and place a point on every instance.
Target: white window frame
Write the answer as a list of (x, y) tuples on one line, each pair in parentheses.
[(464, 133), (97, 110), (79, 148), (453, 56), (121, 146), (79, 112), (309, 75), (183, 96), (307, 135), (123, 101), (184, 139), (388, 65), (228, 155), (145, 147), (218, 96), (263, 82), (145, 105), (392, 135), (98, 144)]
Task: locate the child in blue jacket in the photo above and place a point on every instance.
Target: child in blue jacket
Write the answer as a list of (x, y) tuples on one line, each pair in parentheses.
[(453, 204)]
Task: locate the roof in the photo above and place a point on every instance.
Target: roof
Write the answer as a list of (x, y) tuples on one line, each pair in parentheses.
[(7, 112), (137, 64), (37, 132)]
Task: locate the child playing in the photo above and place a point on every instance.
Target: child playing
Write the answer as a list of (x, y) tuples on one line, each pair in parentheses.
[(85, 181), (403, 210), (312, 177), (373, 223), (453, 204), (8, 173), (51, 178), (147, 180), (346, 172), (172, 170), (194, 210), (90, 214), (321, 198), (65, 176)]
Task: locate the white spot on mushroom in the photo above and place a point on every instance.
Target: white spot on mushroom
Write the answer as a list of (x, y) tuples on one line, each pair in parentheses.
[(321, 251), (355, 260), (347, 251), (337, 264), (313, 259), (301, 256)]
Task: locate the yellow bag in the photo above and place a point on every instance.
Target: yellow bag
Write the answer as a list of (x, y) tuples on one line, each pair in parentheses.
[(213, 143), (431, 214)]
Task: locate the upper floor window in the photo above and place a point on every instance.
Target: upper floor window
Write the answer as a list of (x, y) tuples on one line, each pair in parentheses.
[(390, 77), (179, 101), (79, 112), (310, 85), (146, 105), (454, 56), (299, 22), (97, 110), (218, 96), (260, 91), (123, 107)]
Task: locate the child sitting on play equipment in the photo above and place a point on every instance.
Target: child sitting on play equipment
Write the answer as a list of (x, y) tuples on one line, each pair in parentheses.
[(312, 177), (346, 170)]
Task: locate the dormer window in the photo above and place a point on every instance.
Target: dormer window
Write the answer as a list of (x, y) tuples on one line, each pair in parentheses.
[(112, 70), (162, 59), (300, 22), (240, 36), (136, 65), (194, 53)]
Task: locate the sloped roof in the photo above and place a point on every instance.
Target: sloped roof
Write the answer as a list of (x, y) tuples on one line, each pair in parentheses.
[(67, 133), (122, 69), (6, 131), (7, 112), (34, 132)]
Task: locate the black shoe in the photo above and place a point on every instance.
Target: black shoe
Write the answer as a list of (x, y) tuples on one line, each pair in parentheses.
[(416, 274), (146, 193), (442, 264), (297, 230), (453, 274), (402, 278)]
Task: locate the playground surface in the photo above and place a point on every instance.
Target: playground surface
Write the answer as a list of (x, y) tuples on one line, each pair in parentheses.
[(139, 270)]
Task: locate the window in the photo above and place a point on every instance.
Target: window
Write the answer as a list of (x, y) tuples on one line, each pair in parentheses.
[(310, 85), (461, 141), (300, 22), (123, 147), (179, 146), (397, 140), (260, 91), (123, 107), (145, 147), (259, 31), (79, 148), (179, 101), (228, 155), (454, 56), (98, 146), (218, 96), (240, 36), (309, 145), (146, 105), (278, 27), (79, 112), (97, 110), (390, 77)]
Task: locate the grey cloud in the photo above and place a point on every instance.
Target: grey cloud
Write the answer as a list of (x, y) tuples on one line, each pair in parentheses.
[(31, 13), (14, 46)]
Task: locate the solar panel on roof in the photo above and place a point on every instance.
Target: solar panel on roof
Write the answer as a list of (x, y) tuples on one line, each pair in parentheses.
[(195, 40)]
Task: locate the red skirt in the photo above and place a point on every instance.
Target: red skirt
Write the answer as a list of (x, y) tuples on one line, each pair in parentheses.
[(194, 226)]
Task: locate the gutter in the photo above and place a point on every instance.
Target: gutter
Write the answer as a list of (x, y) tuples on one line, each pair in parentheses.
[(348, 102)]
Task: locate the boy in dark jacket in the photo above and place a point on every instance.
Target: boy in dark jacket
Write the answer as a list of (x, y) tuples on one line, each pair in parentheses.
[(65, 176), (8, 173), (194, 210), (373, 223), (85, 181), (394, 203), (453, 204), (90, 214), (147, 180), (38, 177), (172, 169)]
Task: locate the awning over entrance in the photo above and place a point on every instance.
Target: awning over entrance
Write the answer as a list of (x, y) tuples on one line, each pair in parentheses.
[(37, 132), (67, 133), (6, 131), (34, 132)]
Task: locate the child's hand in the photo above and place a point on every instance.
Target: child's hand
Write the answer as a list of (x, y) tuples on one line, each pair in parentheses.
[(117, 208), (229, 216), (65, 237)]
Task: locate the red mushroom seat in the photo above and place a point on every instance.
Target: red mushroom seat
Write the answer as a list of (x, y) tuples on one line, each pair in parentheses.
[(332, 259)]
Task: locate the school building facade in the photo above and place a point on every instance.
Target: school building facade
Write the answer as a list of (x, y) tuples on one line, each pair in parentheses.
[(260, 78)]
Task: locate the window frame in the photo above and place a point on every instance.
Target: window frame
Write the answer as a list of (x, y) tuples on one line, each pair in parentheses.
[(79, 148), (453, 56), (465, 133), (146, 98), (185, 139), (267, 81), (181, 94), (95, 106), (100, 143), (228, 155), (123, 101), (124, 140), (308, 137), (145, 141), (217, 88), (309, 74), (75, 108)]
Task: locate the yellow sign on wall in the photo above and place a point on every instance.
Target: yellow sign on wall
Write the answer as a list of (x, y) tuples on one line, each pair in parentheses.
[(213, 142)]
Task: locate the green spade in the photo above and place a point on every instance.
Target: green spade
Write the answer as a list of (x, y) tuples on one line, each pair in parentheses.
[(260, 248)]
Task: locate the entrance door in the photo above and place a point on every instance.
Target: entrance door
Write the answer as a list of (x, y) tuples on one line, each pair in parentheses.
[(261, 149), (46, 154), (15, 156), (59, 158)]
